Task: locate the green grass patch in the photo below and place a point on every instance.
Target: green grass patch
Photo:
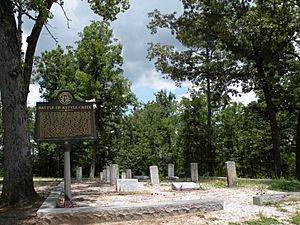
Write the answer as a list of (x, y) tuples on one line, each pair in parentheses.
[(285, 186), (296, 219)]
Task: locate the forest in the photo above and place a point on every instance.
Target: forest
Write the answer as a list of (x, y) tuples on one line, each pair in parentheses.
[(227, 46)]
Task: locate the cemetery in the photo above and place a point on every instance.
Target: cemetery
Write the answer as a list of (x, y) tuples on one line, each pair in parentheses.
[(113, 199), (128, 112)]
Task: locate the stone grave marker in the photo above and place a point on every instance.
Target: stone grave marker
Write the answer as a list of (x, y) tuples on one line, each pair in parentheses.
[(154, 175), (104, 176), (194, 172), (185, 186), (170, 170), (123, 175), (107, 174), (114, 174), (231, 174), (79, 173), (128, 174), (127, 185)]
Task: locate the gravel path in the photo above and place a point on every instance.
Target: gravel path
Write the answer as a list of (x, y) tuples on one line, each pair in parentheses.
[(238, 205)]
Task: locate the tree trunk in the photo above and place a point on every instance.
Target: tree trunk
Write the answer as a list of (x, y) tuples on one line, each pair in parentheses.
[(298, 148), (93, 163), (14, 86), (209, 130), (272, 119), (17, 180)]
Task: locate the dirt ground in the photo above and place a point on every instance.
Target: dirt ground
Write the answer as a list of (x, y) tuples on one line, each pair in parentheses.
[(238, 206), (27, 215)]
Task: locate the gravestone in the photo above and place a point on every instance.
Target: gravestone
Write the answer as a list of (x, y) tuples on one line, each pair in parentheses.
[(79, 173), (231, 174), (114, 174), (101, 176), (154, 175), (185, 186), (107, 174), (170, 170), (127, 185), (123, 175), (194, 172), (104, 176), (128, 174)]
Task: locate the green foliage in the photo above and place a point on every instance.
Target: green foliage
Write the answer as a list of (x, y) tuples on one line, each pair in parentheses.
[(91, 71), (109, 9), (150, 136)]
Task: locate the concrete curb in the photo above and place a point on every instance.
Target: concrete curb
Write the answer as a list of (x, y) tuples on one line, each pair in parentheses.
[(86, 215), (53, 198), (268, 199), (49, 214)]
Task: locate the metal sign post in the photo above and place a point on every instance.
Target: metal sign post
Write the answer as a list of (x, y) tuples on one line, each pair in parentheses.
[(67, 175)]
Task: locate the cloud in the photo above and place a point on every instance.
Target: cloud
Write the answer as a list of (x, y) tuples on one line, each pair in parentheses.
[(34, 95)]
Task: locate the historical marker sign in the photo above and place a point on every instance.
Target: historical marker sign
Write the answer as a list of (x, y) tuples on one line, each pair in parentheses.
[(64, 119)]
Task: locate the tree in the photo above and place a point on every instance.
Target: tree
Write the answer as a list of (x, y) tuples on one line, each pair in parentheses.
[(14, 85), (149, 136), (202, 61), (91, 71), (257, 34), (260, 34)]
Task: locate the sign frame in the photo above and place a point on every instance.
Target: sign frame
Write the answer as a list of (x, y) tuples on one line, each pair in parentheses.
[(63, 112)]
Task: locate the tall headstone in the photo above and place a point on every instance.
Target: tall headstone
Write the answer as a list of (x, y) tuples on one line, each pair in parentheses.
[(170, 170), (128, 174), (104, 176), (154, 175), (123, 175), (101, 176), (79, 173), (194, 172), (107, 174), (231, 174), (114, 174)]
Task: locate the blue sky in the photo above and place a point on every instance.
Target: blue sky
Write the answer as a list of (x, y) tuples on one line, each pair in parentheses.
[(130, 29)]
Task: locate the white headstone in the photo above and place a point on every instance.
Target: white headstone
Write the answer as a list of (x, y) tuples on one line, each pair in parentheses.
[(104, 176), (194, 172), (114, 174), (79, 173), (123, 175), (127, 185), (154, 175), (107, 174), (170, 170), (101, 176), (183, 186)]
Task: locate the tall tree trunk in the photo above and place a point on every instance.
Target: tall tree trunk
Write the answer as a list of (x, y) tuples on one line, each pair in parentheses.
[(272, 117), (93, 163), (298, 148), (96, 142), (209, 129), (14, 86), (17, 180)]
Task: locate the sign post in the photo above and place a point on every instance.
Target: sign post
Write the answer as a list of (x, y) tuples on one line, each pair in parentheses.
[(65, 120)]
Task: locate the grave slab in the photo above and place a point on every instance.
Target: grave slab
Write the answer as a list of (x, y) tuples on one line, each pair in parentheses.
[(127, 185), (185, 186)]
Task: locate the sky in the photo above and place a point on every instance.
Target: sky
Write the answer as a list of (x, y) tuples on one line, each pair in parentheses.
[(130, 29)]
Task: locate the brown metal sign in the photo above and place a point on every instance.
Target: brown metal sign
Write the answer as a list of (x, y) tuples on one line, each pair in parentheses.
[(64, 119)]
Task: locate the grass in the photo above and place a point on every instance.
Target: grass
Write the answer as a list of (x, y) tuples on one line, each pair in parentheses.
[(284, 185), (261, 221), (296, 219)]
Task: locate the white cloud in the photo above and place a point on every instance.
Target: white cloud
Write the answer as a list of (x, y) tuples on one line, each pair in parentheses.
[(34, 95)]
